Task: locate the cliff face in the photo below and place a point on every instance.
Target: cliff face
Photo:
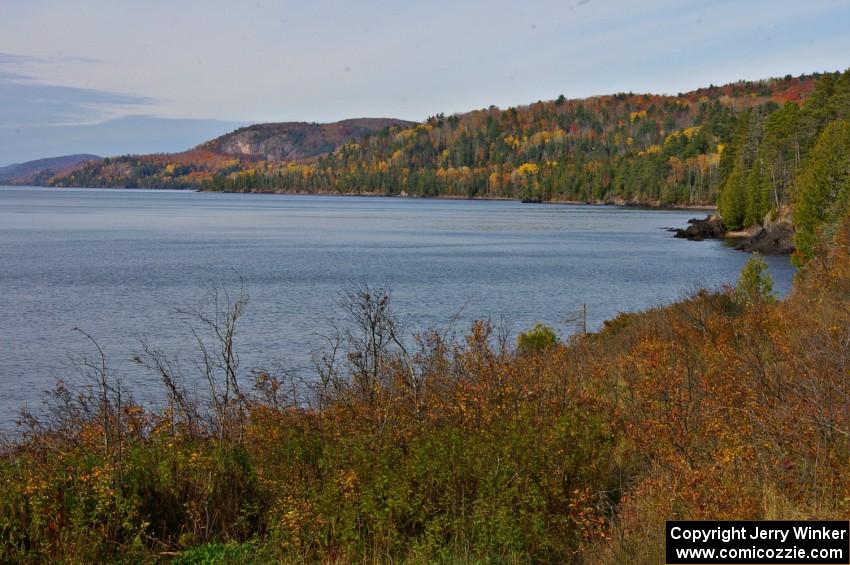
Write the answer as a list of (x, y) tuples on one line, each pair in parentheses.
[(294, 141)]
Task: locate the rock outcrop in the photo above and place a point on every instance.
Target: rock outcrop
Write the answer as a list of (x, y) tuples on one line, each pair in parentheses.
[(710, 228), (772, 238), (775, 236)]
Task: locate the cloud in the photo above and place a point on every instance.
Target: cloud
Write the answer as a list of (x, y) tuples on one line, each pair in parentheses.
[(39, 119), (27, 102), (131, 134)]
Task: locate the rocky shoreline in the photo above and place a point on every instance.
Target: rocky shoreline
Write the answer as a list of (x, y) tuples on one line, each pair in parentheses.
[(709, 228), (772, 237)]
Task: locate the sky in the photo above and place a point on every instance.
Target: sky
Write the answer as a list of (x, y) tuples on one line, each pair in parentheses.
[(130, 76)]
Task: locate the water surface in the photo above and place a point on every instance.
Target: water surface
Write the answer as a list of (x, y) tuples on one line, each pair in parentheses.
[(117, 262)]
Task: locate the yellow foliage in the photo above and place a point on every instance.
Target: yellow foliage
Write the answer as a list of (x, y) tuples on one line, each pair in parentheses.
[(691, 131), (405, 134), (687, 132), (511, 141), (493, 180), (528, 169)]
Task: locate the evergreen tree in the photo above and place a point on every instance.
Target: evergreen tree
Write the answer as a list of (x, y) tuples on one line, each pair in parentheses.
[(758, 203), (823, 194), (732, 203)]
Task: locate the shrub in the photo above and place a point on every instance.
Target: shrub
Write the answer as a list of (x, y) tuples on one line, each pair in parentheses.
[(538, 338), (755, 283)]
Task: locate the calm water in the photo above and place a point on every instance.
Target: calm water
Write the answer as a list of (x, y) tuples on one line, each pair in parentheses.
[(117, 263)]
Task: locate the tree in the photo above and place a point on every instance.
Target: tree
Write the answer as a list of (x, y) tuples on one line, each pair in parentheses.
[(538, 338), (732, 200), (758, 196), (373, 336), (732, 203), (823, 194), (755, 283)]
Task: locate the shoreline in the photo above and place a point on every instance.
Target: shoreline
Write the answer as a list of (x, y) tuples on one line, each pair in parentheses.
[(556, 201)]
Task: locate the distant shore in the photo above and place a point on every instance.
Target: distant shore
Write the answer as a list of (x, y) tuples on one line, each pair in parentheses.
[(623, 204)]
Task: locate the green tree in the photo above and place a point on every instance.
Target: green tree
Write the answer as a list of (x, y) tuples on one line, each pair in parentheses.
[(732, 203), (755, 283), (758, 196), (538, 338), (823, 191), (732, 200), (780, 151)]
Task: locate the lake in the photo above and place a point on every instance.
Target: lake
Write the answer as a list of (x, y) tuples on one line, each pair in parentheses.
[(116, 263)]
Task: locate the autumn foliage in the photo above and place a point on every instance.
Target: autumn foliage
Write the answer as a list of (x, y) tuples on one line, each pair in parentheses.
[(623, 148)]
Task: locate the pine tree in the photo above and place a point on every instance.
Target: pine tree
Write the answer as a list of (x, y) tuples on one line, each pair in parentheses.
[(757, 190), (823, 194), (733, 199)]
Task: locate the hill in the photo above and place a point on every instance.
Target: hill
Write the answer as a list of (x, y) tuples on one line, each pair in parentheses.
[(41, 170), (623, 148), (236, 151)]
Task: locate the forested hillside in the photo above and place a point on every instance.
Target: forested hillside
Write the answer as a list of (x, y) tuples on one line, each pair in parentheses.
[(621, 148), (240, 150)]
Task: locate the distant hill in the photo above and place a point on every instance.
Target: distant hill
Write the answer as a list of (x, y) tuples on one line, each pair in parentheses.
[(238, 151), (42, 170)]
